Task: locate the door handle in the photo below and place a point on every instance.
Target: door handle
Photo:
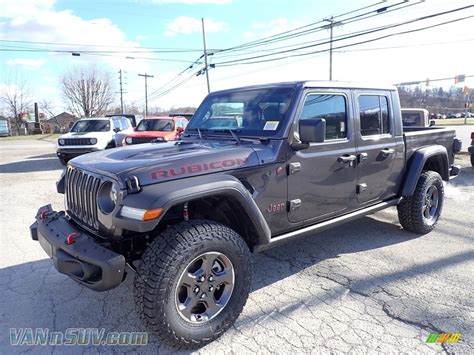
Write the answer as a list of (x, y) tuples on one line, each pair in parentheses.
[(347, 159), (387, 152)]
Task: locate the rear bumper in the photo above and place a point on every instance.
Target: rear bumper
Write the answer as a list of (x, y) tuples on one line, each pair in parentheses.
[(86, 261)]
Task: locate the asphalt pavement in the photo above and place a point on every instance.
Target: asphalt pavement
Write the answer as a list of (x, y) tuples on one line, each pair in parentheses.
[(368, 286)]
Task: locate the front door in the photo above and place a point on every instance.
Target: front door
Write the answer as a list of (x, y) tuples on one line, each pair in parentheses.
[(376, 146), (322, 178)]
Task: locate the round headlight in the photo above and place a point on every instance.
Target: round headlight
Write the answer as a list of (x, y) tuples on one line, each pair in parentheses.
[(61, 141), (93, 140), (107, 197), (129, 140)]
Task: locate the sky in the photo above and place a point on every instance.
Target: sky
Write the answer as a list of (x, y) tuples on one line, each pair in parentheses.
[(164, 38)]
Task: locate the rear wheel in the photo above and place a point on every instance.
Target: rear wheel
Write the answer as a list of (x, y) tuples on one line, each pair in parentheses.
[(420, 212), (193, 282)]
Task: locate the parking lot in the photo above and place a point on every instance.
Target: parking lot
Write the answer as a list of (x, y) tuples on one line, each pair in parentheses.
[(368, 286)]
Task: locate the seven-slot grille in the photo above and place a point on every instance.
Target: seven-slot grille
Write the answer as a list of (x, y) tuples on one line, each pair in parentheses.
[(77, 141), (140, 140), (81, 196)]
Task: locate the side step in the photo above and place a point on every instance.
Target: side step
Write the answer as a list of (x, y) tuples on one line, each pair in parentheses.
[(321, 226)]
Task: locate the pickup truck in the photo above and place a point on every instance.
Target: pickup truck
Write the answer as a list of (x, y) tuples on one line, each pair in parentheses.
[(186, 215)]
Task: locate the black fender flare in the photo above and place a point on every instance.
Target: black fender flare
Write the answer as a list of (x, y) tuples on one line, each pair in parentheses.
[(168, 194), (417, 162)]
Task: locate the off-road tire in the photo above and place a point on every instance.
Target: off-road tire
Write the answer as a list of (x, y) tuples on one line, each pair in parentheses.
[(159, 271), (410, 210), (111, 144), (63, 161)]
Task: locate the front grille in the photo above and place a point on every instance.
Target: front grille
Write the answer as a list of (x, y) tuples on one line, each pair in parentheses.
[(77, 141), (81, 196), (140, 140)]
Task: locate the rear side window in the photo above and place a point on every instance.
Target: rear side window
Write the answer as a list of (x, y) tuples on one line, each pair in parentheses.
[(374, 117), (330, 107)]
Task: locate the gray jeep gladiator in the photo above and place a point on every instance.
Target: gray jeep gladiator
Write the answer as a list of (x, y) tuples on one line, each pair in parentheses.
[(256, 167)]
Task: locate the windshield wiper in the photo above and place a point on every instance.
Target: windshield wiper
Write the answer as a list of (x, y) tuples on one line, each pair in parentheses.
[(199, 133), (236, 137)]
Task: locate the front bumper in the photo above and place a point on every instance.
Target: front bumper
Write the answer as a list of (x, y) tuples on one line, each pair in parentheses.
[(70, 153), (85, 260)]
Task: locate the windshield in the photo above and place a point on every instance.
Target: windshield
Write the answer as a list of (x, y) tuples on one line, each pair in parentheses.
[(155, 125), (91, 126), (258, 112)]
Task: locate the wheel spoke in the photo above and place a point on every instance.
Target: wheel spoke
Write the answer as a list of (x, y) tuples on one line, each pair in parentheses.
[(188, 279), (224, 277), (426, 211), (212, 308), (186, 308)]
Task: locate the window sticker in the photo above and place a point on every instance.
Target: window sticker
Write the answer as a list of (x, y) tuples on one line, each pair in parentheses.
[(271, 125)]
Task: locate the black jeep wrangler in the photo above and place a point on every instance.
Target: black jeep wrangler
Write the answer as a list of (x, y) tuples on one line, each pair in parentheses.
[(256, 167)]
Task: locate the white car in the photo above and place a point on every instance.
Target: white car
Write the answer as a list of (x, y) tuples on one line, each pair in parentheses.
[(93, 134)]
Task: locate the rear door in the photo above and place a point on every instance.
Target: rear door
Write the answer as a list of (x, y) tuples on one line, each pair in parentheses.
[(376, 146), (322, 178)]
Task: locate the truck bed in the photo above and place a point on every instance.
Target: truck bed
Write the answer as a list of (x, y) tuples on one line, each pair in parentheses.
[(419, 137)]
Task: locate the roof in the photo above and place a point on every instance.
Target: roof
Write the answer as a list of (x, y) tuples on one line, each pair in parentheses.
[(318, 84), (159, 118)]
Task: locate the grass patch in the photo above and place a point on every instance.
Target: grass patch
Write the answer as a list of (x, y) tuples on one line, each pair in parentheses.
[(35, 137), (454, 121)]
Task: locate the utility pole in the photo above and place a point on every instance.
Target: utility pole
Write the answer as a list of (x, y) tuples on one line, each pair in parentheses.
[(205, 56), (146, 76), (330, 26), (121, 91)]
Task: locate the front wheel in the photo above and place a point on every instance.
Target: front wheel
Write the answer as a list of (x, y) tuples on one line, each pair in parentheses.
[(420, 213), (193, 282)]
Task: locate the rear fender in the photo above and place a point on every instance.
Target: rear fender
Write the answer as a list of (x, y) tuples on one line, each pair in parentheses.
[(436, 156)]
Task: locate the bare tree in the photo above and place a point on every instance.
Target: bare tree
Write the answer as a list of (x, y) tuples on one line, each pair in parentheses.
[(87, 91), (15, 99)]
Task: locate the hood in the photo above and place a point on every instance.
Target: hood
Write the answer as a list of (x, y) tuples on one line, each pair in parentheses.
[(158, 162), (151, 134)]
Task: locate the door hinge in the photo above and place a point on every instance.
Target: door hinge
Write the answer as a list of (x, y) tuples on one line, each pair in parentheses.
[(294, 168), (294, 204), (361, 188)]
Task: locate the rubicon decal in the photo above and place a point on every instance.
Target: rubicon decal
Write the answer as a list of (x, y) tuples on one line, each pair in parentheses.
[(198, 168)]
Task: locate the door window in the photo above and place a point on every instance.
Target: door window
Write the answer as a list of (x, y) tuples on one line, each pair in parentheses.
[(374, 117), (330, 107)]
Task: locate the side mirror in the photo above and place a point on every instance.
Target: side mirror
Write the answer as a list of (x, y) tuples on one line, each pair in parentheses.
[(116, 130), (432, 123), (180, 130), (312, 130)]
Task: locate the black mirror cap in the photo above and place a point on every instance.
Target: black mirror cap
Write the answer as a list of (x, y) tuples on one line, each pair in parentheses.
[(116, 130), (312, 130)]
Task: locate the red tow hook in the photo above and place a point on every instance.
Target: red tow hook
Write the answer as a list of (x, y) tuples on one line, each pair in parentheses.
[(71, 238), (43, 214)]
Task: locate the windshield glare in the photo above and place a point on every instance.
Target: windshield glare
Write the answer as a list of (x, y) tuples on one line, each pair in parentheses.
[(251, 112), (91, 126), (156, 125)]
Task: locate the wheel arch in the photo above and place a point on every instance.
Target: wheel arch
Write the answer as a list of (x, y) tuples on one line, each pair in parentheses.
[(221, 198), (433, 158)]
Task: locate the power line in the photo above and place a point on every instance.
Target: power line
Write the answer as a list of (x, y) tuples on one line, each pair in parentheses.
[(369, 31)]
